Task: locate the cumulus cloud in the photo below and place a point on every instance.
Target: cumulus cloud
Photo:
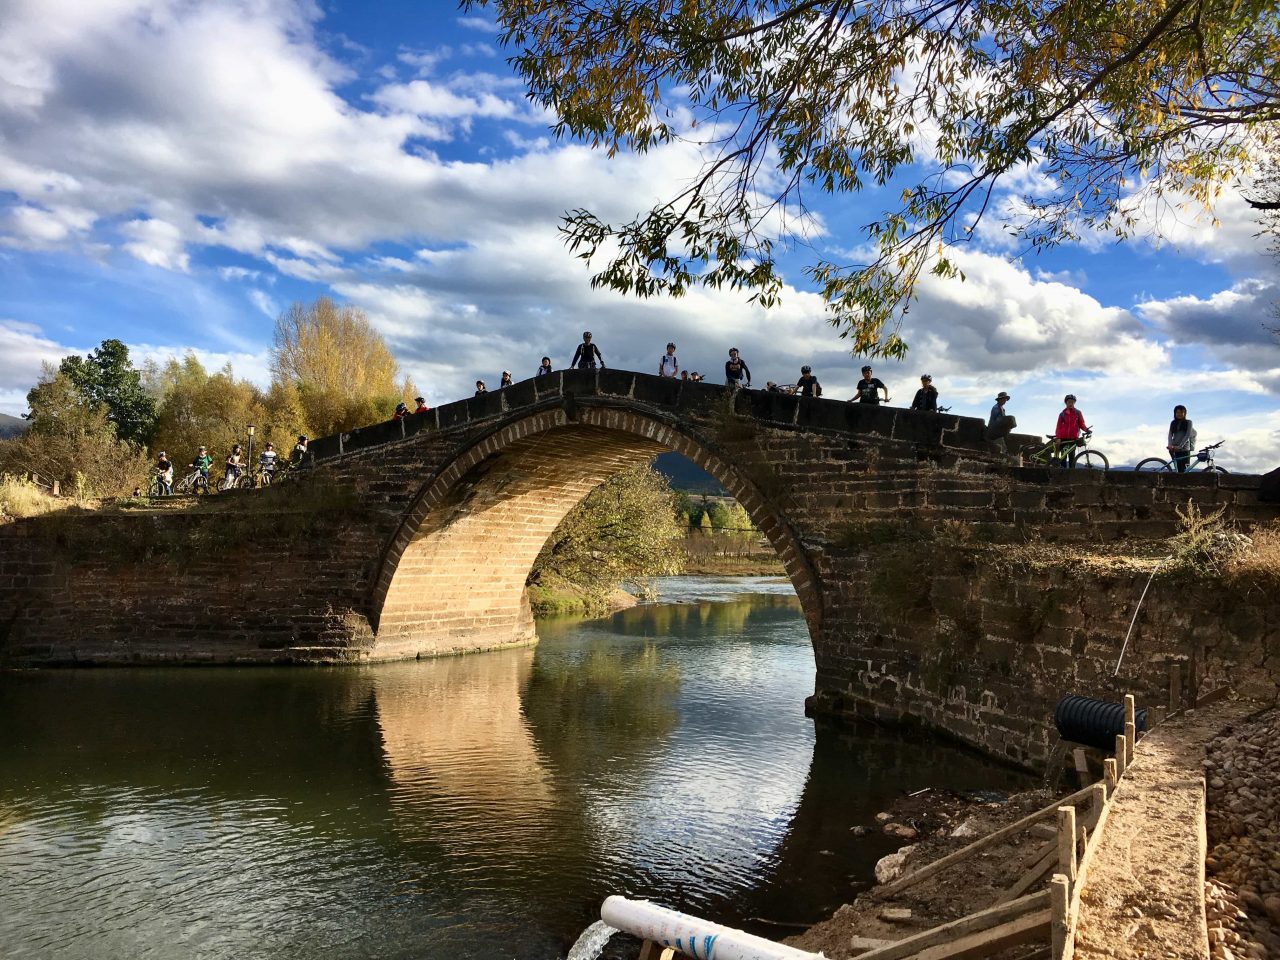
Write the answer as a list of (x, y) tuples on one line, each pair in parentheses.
[(23, 348)]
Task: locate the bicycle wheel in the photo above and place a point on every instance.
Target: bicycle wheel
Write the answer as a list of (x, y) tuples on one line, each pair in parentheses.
[(1091, 460), (156, 489), (1153, 463), (1215, 469), (245, 482), (200, 486)]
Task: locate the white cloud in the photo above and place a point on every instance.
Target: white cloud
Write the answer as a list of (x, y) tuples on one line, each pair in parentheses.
[(23, 348), (158, 243), (264, 302)]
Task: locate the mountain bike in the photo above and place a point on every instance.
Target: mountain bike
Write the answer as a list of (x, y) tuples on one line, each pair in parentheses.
[(1070, 454), (1203, 461), (242, 482), (157, 487), (194, 483)]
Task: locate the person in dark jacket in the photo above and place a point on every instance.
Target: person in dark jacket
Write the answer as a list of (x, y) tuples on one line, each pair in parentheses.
[(735, 368), (481, 388), (545, 368), (808, 385), (506, 380), (587, 356), (926, 398)]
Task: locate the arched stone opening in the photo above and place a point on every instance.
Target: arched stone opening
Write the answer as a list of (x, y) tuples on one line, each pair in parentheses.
[(453, 577)]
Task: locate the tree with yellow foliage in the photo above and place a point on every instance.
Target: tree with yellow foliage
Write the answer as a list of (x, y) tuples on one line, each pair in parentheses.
[(1093, 107), (339, 366)]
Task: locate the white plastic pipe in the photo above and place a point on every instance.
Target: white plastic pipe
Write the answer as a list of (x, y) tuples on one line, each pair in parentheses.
[(700, 939)]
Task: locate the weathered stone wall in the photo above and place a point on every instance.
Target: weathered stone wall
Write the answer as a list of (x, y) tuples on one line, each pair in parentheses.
[(444, 514)]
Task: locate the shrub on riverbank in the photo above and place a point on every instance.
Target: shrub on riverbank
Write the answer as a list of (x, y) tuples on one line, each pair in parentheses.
[(624, 531)]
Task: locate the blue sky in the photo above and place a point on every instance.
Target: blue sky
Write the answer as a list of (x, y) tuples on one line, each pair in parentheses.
[(174, 172)]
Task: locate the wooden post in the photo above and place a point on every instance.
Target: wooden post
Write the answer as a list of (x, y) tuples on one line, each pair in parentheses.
[(340, 444), (1130, 727), (1122, 754), (1059, 921), (1067, 842), (1175, 686), (57, 488), (1082, 766), (652, 951), (1097, 803), (1109, 775)]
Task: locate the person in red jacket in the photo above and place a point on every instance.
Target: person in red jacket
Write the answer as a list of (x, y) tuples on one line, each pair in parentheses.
[(1070, 424)]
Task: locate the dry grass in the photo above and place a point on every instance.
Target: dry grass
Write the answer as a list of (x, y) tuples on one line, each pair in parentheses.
[(22, 498), (1261, 561), (1206, 544)]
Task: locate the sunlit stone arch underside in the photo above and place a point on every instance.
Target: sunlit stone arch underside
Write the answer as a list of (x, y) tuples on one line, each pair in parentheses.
[(455, 572)]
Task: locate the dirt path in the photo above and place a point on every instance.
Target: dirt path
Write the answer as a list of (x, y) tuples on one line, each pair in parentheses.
[(1144, 895)]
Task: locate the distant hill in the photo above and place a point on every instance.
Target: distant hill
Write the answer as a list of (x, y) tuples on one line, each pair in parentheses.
[(12, 426), (684, 474)]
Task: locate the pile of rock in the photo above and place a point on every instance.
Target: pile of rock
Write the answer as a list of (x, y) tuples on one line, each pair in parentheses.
[(1242, 768)]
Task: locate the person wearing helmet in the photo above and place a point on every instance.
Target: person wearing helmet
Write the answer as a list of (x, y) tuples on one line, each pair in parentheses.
[(869, 388), (267, 462), (164, 470), (587, 356), (506, 380), (235, 462), (1070, 425), (808, 385), (421, 405), (402, 411), (299, 450), (544, 368), (735, 368), (668, 364), (926, 398)]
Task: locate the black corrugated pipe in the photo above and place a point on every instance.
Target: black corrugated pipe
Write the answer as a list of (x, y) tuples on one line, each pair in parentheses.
[(1095, 723)]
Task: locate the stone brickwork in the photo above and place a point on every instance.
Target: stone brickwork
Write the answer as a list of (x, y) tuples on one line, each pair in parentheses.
[(454, 506)]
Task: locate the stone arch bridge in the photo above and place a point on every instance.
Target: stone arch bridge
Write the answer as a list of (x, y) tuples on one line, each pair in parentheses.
[(425, 531)]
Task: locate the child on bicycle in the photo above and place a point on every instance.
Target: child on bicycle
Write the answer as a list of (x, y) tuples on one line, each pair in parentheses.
[(267, 462), (235, 461), (164, 472), (202, 463), (1182, 439), (1070, 425)]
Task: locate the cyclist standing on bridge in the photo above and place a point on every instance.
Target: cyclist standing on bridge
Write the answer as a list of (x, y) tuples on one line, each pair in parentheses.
[(926, 399), (1182, 439), (735, 368), (587, 356), (1070, 424)]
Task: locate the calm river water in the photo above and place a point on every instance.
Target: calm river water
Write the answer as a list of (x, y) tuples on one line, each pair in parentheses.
[(469, 807)]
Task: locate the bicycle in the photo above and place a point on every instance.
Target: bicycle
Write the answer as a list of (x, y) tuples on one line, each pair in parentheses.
[(1070, 453), (157, 488), (241, 481), (1203, 461), (193, 483)]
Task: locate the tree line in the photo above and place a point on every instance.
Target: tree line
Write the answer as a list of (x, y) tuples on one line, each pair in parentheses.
[(96, 421)]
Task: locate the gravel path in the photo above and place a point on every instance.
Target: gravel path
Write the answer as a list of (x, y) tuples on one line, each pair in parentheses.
[(1242, 768)]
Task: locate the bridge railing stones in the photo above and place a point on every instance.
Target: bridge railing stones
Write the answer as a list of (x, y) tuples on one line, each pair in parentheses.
[(679, 399)]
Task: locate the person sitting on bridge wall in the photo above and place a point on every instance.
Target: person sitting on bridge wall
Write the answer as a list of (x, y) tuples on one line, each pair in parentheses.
[(545, 368), (735, 368), (808, 385), (421, 405), (481, 388), (869, 388), (587, 355), (926, 398), (999, 423), (402, 411), (668, 364), (1070, 425)]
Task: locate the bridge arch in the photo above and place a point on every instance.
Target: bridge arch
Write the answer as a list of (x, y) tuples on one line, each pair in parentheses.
[(453, 575)]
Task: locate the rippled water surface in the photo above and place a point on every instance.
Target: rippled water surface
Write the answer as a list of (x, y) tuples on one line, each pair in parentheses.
[(469, 807)]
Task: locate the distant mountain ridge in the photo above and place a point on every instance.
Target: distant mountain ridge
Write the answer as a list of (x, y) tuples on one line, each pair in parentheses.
[(11, 426)]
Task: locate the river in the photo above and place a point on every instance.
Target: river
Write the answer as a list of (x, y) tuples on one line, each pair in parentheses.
[(466, 807)]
